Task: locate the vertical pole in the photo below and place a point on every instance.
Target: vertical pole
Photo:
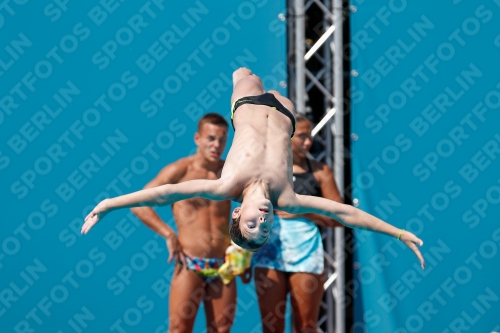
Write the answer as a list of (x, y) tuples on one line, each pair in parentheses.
[(338, 74), (300, 64), (328, 76), (300, 51)]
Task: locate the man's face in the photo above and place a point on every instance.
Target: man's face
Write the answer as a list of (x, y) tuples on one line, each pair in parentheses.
[(256, 219), (302, 140), (211, 141)]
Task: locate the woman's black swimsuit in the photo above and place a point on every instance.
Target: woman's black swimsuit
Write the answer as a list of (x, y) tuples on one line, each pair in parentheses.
[(305, 183)]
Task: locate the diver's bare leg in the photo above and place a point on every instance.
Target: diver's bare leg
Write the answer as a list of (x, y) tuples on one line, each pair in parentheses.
[(246, 84)]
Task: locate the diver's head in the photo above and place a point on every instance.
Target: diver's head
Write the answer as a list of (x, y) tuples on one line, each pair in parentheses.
[(252, 223)]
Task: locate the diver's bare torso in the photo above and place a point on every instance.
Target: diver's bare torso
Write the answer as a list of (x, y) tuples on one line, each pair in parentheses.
[(261, 150)]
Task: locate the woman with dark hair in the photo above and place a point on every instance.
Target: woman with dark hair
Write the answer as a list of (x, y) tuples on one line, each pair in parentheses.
[(292, 259)]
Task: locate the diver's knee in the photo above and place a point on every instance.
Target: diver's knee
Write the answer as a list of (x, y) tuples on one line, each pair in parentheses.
[(240, 74), (242, 71), (257, 80)]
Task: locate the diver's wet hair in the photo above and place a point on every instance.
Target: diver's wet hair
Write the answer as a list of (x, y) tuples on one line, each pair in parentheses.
[(235, 232), (240, 240)]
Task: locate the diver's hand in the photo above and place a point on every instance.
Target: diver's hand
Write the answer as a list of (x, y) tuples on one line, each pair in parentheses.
[(412, 241), (97, 214)]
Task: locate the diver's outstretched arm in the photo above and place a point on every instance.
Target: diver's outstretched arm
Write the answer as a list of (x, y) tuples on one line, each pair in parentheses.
[(354, 218), (156, 196)]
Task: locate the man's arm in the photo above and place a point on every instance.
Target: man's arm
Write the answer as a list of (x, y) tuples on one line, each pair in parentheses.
[(168, 175), (353, 218), (157, 196)]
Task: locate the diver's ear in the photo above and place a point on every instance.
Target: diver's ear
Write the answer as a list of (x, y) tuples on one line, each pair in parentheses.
[(236, 212)]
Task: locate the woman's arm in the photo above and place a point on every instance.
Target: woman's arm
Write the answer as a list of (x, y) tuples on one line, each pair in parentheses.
[(329, 190), (157, 196), (353, 218)]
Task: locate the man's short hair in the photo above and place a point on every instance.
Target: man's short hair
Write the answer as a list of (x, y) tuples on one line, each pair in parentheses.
[(240, 240), (212, 118)]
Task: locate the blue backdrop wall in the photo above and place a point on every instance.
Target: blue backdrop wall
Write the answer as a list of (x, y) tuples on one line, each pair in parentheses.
[(95, 98), (425, 134)]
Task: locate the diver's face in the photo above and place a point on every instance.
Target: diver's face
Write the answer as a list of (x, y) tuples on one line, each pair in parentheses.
[(256, 219)]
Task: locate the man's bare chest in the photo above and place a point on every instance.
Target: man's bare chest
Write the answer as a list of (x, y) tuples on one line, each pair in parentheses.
[(199, 173), (193, 174)]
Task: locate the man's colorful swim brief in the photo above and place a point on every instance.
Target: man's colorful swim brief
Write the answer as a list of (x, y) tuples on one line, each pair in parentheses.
[(207, 268)]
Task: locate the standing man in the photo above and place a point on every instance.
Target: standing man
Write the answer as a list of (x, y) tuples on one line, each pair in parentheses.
[(203, 235)]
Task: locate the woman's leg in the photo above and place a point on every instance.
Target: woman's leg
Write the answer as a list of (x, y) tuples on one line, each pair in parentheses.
[(271, 288), (306, 291)]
